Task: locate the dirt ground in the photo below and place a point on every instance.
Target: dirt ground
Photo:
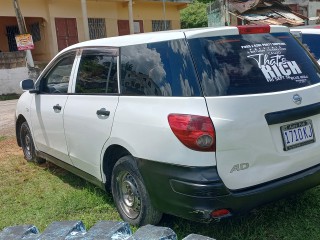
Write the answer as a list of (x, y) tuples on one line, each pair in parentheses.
[(7, 109)]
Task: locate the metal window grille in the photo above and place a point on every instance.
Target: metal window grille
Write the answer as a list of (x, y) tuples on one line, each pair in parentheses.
[(161, 25), (35, 32), (12, 31), (97, 28)]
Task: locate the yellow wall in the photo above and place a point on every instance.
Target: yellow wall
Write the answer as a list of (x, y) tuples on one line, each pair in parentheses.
[(32, 10), (112, 11)]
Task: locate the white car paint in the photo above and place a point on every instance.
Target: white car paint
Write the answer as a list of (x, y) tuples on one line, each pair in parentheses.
[(48, 126), (256, 143), (86, 132), (142, 126), (77, 136)]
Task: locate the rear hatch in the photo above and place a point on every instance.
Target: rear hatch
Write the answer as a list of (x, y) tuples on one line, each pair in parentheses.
[(262, 92)]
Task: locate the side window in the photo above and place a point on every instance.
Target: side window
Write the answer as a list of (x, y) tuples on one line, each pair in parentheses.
[(158, 69), (97, 73), (57, 80)]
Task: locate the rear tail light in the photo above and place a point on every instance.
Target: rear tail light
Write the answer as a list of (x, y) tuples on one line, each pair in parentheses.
[(250, 29), (220, 213), (195, 132)]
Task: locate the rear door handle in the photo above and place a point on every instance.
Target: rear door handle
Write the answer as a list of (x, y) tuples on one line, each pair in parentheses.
[(103, 112), (57, 107)]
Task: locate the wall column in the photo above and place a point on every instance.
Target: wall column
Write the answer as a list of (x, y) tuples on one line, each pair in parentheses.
[(130, 17), (164, 14), (85, 19)]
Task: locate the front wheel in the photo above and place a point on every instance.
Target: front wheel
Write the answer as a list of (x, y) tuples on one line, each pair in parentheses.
[(27, 144), (130, 195)]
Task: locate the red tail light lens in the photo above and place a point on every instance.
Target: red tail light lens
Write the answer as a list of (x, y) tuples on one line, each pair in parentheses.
[(250, 29), (195, 132), (220, 213)]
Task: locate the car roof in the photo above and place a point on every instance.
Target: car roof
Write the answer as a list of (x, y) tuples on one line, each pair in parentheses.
[(306, 30), (151, 37)]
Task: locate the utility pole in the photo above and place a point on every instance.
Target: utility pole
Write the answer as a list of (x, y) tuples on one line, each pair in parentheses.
[(22, 29)]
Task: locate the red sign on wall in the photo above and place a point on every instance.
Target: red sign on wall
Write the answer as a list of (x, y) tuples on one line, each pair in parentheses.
[(24, 42)]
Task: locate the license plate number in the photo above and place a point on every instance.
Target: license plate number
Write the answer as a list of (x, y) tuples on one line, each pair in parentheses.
[(297, 134)]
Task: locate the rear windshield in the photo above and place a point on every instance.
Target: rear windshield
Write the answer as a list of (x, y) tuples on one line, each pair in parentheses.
[(251, 64)]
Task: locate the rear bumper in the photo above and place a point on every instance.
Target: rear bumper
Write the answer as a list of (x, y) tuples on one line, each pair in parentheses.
[(194, 192)]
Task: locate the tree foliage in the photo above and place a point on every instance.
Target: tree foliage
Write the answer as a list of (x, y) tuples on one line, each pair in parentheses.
[(195, 15)]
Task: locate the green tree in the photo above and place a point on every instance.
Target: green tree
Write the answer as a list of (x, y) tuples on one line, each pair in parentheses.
[(195, 15)]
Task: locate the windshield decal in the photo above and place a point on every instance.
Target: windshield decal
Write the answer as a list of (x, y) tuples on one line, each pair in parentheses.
[(271, 59)]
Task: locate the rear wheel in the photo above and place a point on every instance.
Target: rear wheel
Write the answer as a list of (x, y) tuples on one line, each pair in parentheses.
[(130, 195), (28, 145)]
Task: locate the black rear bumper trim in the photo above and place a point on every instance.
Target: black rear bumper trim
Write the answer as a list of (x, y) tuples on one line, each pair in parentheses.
[(292, 114), (194, 192)]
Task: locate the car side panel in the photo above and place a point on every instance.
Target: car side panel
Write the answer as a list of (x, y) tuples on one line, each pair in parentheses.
[(48, 129), (141, 125), (23, 107), (86, 132)]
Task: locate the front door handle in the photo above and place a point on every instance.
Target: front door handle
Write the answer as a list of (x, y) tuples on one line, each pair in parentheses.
[(103, 112), (57, 107)]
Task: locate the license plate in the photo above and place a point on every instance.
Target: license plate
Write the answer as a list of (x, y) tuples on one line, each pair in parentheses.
[(297, 134)]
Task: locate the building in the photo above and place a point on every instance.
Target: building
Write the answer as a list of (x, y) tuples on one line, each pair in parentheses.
[(236, 12), (56, 24), (308, 8)]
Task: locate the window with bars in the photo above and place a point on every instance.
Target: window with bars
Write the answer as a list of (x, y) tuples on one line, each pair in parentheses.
[(35, 31), (161, 25), (12, 31), (97, 28)]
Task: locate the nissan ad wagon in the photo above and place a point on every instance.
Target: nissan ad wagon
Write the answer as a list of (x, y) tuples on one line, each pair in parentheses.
[(201, 124)]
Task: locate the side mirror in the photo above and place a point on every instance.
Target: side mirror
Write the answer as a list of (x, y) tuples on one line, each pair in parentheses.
[(27, 84)]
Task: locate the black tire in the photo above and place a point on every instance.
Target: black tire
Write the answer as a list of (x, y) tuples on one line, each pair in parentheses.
[(27, 144), (130, 195)]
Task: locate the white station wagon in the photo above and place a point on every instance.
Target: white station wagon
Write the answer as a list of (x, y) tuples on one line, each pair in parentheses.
[(201, 124)]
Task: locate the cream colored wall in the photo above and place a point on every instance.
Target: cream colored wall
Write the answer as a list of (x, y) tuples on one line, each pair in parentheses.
[(107, 11), (30, 9), (40, 52), (6, 8), (111, 11), (148, 11)]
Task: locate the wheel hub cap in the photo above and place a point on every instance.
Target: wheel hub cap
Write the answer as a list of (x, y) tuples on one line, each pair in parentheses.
[(129, 195), (27, 141)]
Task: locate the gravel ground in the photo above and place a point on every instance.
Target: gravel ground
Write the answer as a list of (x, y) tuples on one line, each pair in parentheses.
[(7, 109)]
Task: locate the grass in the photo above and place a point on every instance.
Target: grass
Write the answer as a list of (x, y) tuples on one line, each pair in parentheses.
[(41, 194), (6, 97), (2, 138)]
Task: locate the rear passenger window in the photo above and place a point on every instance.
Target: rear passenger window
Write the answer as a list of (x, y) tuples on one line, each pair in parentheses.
[(158, 69), (97, 73)]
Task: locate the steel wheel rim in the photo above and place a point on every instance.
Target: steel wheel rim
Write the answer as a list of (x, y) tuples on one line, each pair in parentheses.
[(27, 143), (129, 196)]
